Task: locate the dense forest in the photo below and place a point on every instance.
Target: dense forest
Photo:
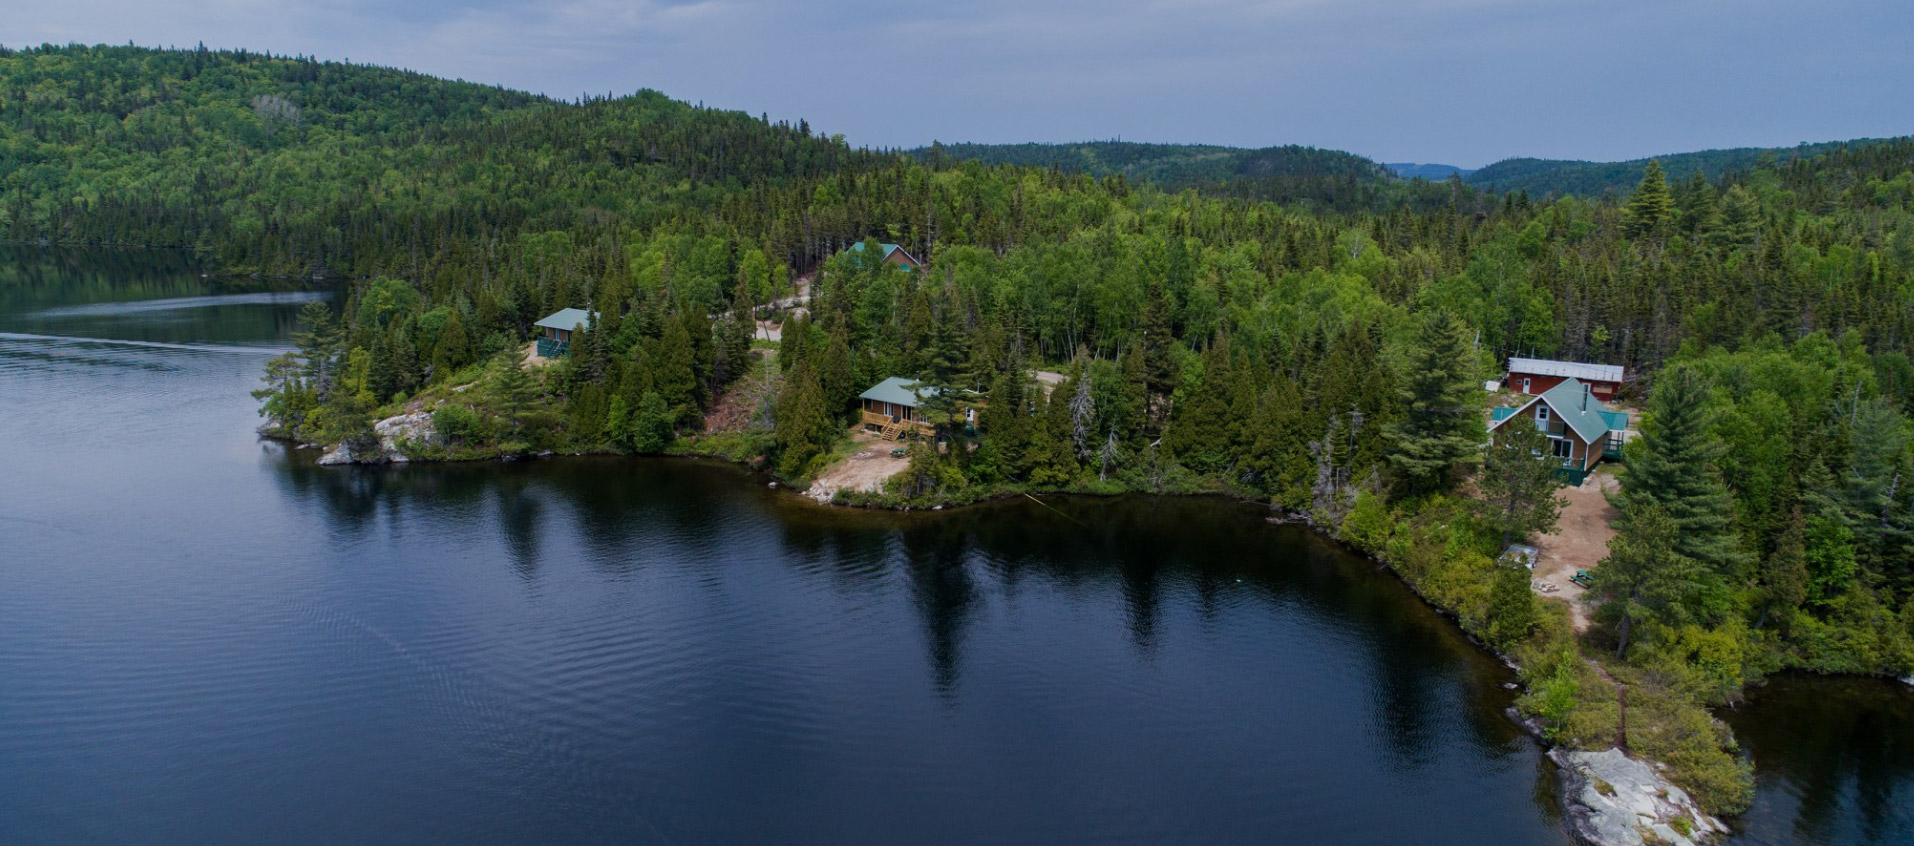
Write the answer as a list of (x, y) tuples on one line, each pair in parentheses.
[(1327, 357), (1541, 177), (1328, 179)]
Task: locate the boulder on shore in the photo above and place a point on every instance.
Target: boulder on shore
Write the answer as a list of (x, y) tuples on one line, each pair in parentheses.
[(1615, 800), (415, 427)]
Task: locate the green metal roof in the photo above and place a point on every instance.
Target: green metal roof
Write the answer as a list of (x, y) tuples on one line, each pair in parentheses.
[(565, 319), (899, 391), (1565, 402)]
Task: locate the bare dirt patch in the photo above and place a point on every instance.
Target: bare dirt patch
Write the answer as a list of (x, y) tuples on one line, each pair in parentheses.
[(866, 469), (1579, 541)]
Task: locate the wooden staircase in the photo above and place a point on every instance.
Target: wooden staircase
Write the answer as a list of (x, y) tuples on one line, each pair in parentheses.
[(892, 430)]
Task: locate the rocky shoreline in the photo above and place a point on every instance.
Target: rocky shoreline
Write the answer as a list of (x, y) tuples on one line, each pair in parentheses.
[(1615, 800)]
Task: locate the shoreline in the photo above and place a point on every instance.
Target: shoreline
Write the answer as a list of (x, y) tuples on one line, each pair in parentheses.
[(1592, 816)]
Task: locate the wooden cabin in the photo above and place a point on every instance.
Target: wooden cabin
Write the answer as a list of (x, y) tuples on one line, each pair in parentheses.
[(896, 255), (892, 408), (1537, 376), (1581, 430), (556, 329)]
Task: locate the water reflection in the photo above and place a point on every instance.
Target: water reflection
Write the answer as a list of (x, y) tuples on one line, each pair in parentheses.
[(209, 639), (1834, 761)]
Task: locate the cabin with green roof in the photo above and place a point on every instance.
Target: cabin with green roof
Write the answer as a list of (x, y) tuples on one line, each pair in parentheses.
[(895, 255), (556, 329), (1580, 429), (892, 408)]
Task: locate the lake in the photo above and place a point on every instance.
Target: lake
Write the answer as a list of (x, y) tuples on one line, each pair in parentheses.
[(205, 638)]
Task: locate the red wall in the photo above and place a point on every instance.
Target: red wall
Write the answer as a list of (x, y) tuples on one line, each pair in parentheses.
[(1540, 384)]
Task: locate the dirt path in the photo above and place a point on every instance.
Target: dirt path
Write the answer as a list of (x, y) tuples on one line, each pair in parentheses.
[(1579, 541), (864, 470)]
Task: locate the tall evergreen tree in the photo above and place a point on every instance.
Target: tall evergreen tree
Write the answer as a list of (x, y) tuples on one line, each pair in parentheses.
[(1652, 208), (1676, 470), (1442, 427)]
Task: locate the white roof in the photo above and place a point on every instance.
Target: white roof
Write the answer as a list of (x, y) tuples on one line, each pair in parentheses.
[(1569, 369)]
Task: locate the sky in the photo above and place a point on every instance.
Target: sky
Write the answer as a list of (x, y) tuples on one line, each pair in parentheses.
[(1462, 82)]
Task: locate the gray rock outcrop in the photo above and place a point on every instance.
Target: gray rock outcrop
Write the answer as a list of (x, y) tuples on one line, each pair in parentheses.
[(1615, 800), (393, 432)]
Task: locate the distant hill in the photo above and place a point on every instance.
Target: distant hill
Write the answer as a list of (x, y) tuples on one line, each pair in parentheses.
[(1289, 173), (1556, 176), (1431, 172)]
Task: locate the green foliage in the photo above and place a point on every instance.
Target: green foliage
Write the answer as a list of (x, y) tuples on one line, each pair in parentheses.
[(1518, 483)]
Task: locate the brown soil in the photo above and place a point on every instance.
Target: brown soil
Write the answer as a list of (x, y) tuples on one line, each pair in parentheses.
[(1579, 541), (864, 470), (738, 408)]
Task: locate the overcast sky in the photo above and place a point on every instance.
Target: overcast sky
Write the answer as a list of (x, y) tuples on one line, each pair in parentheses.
[(1462, 82)]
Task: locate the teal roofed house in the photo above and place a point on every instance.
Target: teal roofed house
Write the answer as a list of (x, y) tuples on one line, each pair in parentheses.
[(895, 255), (1581, 430), (555, 330), (891, 407)]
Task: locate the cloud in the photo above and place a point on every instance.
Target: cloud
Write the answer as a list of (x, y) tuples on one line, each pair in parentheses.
[(1463, 81)]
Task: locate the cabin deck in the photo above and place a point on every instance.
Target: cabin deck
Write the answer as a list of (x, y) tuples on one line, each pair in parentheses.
[(890, 428)]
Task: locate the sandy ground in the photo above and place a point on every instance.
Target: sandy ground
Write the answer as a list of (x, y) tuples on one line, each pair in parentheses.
[(1579, 541), (865, 470)]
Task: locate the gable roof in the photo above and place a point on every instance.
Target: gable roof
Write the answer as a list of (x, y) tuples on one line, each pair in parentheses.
[(899, 391), (888, 250), (566, 319), (1569, 369), (1565, 402)]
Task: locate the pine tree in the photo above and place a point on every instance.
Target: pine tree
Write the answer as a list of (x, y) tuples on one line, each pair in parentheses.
[(1645, 576), (1442, 428), (319, 343), (1784, 574), (804, 428), (1652, 208), (1677, 471)]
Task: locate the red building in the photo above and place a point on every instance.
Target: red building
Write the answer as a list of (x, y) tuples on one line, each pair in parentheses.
[(1535, 376)]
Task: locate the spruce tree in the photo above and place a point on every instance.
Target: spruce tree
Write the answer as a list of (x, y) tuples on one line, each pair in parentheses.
[(1442, 428), (1677, 470), (1652, 208)]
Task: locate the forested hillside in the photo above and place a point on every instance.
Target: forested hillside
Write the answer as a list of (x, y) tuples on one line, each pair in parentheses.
[(1323, 179), (1324, 356), (1542, 177)]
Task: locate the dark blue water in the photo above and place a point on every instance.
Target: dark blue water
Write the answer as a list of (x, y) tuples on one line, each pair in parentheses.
[(204, 639)]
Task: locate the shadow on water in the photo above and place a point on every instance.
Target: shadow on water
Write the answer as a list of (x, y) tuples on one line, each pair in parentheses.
[(1834, 761)]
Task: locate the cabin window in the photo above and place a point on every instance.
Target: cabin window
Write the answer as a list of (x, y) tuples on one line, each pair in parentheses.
[(1564, 448), (1541, 413)]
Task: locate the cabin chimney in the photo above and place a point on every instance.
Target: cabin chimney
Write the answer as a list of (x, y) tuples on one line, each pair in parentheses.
[(1584, 396)]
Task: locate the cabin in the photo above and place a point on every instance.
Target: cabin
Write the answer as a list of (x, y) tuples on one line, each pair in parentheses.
[(892, 408), (555, 330), (895, 255), (1581, 430), (1536, 376)]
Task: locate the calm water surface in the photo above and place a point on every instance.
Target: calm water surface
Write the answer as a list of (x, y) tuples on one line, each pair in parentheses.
[(204, 639)]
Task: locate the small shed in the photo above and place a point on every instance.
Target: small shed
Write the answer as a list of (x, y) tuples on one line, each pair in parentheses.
[(1536, 376), (555, 330)]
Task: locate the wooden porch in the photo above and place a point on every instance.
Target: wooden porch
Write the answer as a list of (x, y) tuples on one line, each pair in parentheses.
[(892, 428)]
